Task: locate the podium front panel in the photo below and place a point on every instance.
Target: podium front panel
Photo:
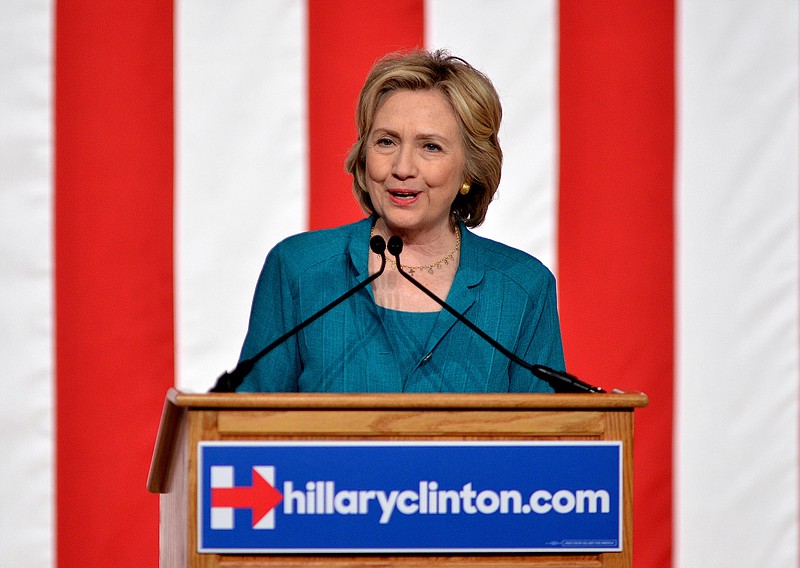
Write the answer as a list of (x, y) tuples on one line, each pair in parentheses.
[(192, 422)]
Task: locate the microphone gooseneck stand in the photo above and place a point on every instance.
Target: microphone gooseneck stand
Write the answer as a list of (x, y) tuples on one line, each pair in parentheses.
[(560, 381), (229, 381)]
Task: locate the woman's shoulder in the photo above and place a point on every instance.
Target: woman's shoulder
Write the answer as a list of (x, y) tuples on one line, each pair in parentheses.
[(513, 263), (304, 250)]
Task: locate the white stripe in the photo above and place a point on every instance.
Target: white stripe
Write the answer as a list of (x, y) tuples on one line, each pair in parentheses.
[(26, 310), (514, 43), (241, 179), (737, 394)]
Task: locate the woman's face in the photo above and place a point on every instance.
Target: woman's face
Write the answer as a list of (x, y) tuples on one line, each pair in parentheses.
[(414, 162)]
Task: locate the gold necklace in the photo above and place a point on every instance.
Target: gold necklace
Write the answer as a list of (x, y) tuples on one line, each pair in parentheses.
[(447, 259)]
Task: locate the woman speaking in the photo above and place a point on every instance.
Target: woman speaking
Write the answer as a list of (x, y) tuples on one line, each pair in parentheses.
[(425, 167)]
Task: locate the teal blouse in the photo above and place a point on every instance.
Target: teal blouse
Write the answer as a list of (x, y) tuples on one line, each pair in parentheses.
[(408, 333), (506, 292)]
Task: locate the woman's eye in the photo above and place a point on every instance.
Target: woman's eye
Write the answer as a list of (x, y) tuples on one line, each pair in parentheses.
[(384, 142), (431, 147)]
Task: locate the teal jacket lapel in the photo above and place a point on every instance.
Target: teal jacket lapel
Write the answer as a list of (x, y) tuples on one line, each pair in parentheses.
[(462, 294)]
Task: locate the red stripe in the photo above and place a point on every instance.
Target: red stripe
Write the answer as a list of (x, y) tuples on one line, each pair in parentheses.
[(615, 241), (345, 39), (114, 275)]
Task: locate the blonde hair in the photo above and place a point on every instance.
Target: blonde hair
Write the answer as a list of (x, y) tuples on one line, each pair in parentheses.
[(478, 113)]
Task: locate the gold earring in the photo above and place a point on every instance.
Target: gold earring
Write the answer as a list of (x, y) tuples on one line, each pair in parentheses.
[(464, 188)]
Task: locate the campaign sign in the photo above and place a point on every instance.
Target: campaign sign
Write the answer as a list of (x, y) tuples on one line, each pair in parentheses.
[(408, 497)]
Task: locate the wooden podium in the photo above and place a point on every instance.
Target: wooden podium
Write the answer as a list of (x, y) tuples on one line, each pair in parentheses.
[(188, 419)]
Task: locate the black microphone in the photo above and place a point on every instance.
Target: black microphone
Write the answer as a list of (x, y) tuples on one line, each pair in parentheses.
[(229, 381), (559, 380)]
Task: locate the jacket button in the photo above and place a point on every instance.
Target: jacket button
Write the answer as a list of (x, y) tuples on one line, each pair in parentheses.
[(427, 358)]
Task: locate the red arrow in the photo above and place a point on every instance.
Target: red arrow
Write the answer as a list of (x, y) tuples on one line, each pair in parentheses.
[(261, 497)]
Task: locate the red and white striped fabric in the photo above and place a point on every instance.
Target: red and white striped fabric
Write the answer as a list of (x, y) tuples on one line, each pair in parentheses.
[(151, 153)]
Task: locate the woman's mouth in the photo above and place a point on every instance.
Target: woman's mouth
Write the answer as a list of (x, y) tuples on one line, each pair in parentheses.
[(403, 196)]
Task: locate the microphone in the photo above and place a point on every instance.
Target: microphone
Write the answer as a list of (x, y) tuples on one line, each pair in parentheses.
[(229, 381), (559, 380)]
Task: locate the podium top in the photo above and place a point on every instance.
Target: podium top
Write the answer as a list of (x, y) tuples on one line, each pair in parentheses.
[(177, 402), (630, 399)]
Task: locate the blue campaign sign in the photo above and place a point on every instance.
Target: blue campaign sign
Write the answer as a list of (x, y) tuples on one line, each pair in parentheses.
[(464, 497)]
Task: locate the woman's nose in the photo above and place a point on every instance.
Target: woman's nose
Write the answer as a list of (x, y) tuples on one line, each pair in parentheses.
[(404, 165)]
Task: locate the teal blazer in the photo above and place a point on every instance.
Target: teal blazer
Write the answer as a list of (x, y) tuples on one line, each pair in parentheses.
[(506, 292)]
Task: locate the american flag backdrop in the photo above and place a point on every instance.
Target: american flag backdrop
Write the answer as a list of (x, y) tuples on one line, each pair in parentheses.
[(152, 152)]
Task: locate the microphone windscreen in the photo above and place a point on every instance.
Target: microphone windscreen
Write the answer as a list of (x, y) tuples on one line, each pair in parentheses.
[(377, 244), (395, 245)]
